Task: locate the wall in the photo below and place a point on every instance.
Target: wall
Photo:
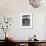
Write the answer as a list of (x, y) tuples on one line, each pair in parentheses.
[(14, 8)]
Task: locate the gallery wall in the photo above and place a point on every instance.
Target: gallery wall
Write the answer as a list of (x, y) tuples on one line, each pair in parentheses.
[(14, 8)]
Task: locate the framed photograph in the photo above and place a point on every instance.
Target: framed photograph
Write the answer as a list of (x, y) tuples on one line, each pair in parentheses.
[(26, 20)]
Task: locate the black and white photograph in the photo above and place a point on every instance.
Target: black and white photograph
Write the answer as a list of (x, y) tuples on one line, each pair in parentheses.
[(26, 20)]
